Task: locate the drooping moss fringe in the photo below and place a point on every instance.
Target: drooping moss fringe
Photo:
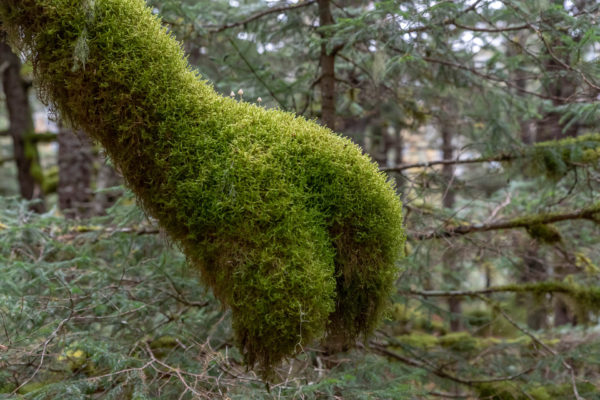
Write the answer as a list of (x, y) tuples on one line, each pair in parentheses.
[(291, 226)]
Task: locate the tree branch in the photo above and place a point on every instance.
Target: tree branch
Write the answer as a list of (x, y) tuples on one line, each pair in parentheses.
[(590, 213), (544, 346), (381, 349), (5, 160), (592, 294), (426, 164), (215, 29)]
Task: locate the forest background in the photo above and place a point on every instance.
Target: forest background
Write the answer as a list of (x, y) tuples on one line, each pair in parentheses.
[(485, 114)]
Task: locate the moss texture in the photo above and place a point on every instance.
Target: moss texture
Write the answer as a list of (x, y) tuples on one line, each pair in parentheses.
[(293, 228), (554, 158)]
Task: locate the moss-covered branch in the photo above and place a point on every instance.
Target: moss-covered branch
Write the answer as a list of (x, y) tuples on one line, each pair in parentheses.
[(589, 296), (589, 213), (290, 224), (552, 158)]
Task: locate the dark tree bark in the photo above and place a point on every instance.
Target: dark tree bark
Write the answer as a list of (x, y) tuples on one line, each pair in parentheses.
[(534, 270), (106, 178), (448, 200), (327, 60), (75, 171), (21, 127)]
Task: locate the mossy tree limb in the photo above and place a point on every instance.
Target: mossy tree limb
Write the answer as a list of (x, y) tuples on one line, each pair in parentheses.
[(590, 213), (589, 296), (291, 225)]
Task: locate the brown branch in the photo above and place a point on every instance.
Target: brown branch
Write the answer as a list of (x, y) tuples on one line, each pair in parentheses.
[(440, 372), (538, 287), (491, 30), (7, 159), (590, 213), (215, 29)]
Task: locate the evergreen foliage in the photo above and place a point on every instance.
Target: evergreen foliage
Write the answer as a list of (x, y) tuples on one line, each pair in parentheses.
[(289, 224), (94, 310)]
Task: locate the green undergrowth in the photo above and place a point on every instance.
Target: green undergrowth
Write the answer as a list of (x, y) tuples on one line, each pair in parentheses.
[(92, 309), (519, 391), (290, 224)]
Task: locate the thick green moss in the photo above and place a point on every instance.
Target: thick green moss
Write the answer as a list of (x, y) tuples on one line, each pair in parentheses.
[(290, 224)]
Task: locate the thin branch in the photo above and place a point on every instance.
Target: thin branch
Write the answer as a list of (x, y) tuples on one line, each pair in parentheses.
[(47, 342), (490, 78), (255, 73), (7, 159), (427, 164), (215, 29), (538, 287), (440, 372), (590, 213), (491, 30), (543, 345)]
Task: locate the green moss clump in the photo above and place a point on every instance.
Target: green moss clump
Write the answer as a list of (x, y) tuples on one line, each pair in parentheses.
[(460, 342), (419, 340), (544, 233), (290, 224), (554, 158), (517, 391)]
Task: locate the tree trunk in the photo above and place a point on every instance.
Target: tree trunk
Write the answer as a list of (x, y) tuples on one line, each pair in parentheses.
[(448, 199), (107, 178), (327, 60), (21, 127), (75, 169)]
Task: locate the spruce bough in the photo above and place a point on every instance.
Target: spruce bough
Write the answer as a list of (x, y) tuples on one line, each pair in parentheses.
[(290, 224)]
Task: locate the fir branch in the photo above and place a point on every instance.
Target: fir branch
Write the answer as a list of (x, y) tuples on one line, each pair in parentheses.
[(259, 15), (590, 213), (590, 295)]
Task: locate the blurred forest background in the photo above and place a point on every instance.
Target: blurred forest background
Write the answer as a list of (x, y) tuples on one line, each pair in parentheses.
[(484, 112)]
